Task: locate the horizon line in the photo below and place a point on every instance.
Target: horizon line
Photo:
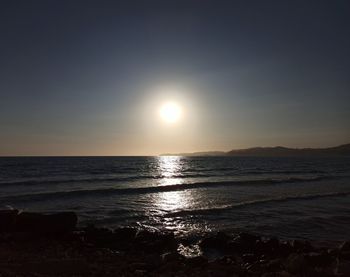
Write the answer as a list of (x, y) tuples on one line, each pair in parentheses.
[(165, 154)]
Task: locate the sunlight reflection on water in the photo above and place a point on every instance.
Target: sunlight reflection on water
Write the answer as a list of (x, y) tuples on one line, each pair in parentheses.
[(170, 169)]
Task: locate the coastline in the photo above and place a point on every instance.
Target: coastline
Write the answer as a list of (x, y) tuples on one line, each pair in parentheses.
[(34, 244)]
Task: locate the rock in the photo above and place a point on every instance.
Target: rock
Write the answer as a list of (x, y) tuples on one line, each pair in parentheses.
[(218, 241), (273, 243), (218, 269), (237, 247), (189, 250), (255, 267), (171, 256), (277, 274), (66, 267), (140, 266), (315, 259), (196, 261), (229, 260), (244, 243), (249, 258), (98, 235), (296, 263), (8, 220), (153, 259), (119, 239), (345, 255), (125, 234), (139, 272), (155, 241), (169, 268), (274, 265), (343, 269), (284, 249), (301, 246), (345, 246), (41, 223), (248, 238)]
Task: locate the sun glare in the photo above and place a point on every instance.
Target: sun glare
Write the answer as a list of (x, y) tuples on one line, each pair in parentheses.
[(170, 112)]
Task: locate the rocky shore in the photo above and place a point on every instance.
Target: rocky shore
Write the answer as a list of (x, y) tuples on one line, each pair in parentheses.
[(34, 244)]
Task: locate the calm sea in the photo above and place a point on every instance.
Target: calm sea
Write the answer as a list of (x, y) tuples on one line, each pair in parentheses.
[(286, 197)]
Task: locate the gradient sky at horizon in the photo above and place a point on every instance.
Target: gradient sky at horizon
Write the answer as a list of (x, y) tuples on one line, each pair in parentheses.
[(88, 77)]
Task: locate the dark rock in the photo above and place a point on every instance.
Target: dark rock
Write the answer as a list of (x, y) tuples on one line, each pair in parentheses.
[(248, 238), (345, 246), (319, 259), (155, 241), (345, 255), (255, 267), (218, 241), (249, 258), (8, 220), (120, 239), (125, 234), (154, 260), (273, 243), (42, 223), (302, 246), (171, 256), (101, 237), (284, 249), (333, 252), (94, 232), (229, 260), (273, 248), (296, 263), (274, 265), (169, 268), (244, 243), (140, 266), (55, 268), (269, 247), (277, 274), (237, 247), (196, 261), (218, 269), (343, 269)]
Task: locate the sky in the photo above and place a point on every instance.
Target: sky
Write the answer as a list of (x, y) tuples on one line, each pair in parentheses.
[(89, 77)]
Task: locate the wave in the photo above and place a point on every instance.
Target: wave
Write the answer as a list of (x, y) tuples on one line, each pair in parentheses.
[(255, 202), (155, 189), (76, 180), (184, 175)]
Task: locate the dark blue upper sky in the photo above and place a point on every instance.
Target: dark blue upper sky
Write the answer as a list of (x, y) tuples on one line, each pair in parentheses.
[(88, 77)]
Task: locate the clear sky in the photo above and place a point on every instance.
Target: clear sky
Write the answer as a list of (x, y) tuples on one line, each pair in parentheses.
[(90, 77)]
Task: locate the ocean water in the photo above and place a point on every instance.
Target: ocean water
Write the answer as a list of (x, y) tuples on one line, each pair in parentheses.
[(303, 198)]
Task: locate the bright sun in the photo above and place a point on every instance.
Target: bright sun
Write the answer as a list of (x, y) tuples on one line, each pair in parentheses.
[(170, 112)]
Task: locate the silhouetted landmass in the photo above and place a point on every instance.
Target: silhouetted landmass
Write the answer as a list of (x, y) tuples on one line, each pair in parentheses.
[(278, 151)]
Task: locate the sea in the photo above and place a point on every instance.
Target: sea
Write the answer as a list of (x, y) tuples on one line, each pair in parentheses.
[(291, 198)]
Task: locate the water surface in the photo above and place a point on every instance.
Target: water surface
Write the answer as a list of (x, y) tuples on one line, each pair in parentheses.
[(286, 197)]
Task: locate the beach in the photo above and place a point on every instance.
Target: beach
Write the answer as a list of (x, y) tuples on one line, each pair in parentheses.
[(38, 249)]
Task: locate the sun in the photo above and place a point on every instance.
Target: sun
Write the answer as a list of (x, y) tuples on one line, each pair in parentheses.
[(170, 112)]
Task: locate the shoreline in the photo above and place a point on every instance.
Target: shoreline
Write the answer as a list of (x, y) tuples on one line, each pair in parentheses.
[(52, 245)]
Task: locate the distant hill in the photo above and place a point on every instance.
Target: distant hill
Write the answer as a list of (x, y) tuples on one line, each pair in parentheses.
[(278, 151)]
